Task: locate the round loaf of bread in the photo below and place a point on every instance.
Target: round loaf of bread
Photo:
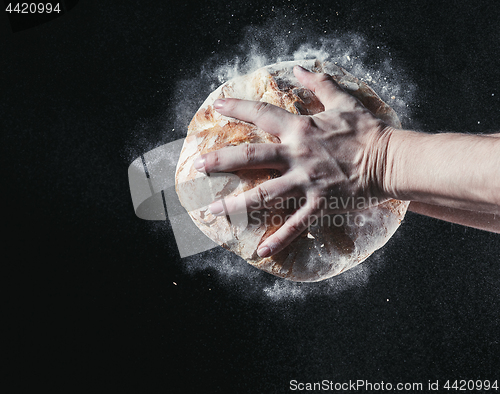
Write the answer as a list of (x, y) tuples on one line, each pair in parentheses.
[(327, 247)]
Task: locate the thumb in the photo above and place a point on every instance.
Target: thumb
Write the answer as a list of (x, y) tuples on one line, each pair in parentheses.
[(323, 86)]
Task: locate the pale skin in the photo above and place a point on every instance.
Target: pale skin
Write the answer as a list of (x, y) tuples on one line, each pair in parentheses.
[(348, 153)]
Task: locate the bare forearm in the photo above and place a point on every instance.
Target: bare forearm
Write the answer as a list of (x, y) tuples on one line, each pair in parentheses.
[(480, 220), (453, 170)]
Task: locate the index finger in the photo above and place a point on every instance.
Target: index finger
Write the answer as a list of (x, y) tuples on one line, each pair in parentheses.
[(268, 117)]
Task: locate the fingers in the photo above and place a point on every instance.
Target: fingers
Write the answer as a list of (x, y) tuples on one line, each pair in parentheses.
[(292, 228), (234, 158), (265, 195), (323, 86), (268, 117)]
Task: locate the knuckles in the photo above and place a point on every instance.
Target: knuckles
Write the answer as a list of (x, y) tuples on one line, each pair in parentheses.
[(229, 106), (263, 194), (294, 228), (304, 125), (212, 161), (261, 108), (218, 160), (249, 153)]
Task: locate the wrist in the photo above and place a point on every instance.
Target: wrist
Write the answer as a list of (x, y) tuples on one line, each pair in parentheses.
[(387, 144), (396, 182)]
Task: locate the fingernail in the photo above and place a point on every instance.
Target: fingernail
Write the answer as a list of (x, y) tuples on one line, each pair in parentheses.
[(300, 68), (263, 251), (199, 164), (216, 208), (219, 103)]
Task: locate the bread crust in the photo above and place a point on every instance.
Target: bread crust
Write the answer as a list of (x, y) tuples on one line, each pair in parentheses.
[(324, 249)]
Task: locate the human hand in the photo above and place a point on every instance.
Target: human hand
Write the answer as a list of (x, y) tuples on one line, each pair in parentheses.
[(336, 154)]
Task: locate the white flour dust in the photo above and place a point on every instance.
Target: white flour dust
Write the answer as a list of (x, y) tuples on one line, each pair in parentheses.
[(233, 272), (272, 43), (262, 45)]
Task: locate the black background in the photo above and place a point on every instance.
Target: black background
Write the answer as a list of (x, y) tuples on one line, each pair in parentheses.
[(94, 299)]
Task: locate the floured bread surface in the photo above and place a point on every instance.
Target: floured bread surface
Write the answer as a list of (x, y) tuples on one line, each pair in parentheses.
[(326, 248)]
